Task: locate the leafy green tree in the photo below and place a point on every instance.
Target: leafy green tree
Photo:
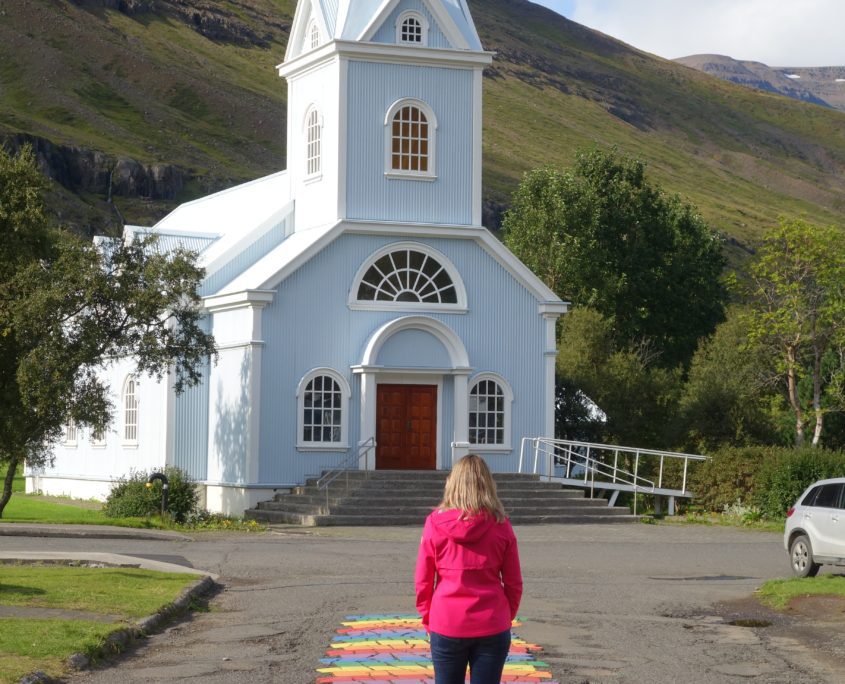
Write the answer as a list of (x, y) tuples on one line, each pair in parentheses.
[(796, 288), (68, 308), (638, 398), (602, 235), (726, 399)]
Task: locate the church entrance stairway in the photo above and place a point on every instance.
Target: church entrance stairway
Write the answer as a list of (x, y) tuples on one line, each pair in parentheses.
[(385, 497)]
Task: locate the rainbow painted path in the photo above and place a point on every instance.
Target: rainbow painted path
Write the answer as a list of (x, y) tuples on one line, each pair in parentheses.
[(394, 649)]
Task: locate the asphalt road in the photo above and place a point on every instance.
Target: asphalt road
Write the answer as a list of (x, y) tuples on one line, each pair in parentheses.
[(609, 603)]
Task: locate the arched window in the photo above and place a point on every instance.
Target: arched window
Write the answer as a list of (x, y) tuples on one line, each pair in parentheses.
[(313, 35), (323, 398), (489, 411), (130, 410), (71, 433), (411, 128), (313, 136), (412, 29), (408, 275)]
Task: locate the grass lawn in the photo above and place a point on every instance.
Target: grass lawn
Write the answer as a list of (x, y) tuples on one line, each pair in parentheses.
[(31, 643), (27, 645), (38, 509), (778, 593)]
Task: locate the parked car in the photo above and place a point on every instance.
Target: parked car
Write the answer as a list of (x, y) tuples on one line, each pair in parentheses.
[(815, 528)]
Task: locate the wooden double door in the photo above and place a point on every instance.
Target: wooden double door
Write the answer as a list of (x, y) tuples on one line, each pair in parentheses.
[(406, 427)]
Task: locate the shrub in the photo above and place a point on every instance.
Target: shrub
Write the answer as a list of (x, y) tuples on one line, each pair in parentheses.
[(781, 479), (131, 498), (728, 477)]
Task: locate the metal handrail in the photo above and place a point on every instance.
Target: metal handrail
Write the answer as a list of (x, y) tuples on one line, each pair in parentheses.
[(345, 466), (559, 452)]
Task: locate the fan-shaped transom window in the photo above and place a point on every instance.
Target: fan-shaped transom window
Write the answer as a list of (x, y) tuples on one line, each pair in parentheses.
[(410, 134), (489, 411), (407, 275), (313, 134)]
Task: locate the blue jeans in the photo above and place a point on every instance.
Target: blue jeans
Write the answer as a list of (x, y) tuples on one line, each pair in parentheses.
[(485, 656)]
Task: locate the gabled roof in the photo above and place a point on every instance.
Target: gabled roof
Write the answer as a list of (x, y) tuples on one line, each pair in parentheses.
[(358, 20), (276, 265)]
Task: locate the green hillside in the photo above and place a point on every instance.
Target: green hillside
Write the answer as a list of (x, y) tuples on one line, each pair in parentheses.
[(185, 93)]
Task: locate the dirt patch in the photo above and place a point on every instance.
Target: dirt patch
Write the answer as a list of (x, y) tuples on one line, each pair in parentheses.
[(819, 608), (814, 624)]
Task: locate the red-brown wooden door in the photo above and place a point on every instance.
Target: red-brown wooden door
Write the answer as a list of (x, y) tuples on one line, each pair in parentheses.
[(406, 427)]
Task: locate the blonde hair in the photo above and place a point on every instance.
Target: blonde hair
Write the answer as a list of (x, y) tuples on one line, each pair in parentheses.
[(470, 488)]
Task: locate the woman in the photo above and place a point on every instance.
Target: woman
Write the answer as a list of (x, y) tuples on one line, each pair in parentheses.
[(468, 579)]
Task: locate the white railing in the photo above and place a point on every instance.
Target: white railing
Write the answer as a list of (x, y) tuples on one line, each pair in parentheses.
[(351, 462), (607, 466)]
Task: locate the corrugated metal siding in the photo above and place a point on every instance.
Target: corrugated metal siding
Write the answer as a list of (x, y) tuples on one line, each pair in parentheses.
[(194, 243), (387, 32), (373, 88), (268, 240), (190, 447), (503, 333)]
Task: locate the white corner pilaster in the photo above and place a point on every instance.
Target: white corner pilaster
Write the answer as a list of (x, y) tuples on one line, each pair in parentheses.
[(368, 415)]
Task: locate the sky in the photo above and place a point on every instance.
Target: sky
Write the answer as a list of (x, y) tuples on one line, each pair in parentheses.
[(776, 32)]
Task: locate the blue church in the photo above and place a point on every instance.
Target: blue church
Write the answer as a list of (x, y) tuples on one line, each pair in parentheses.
[(355, 298)]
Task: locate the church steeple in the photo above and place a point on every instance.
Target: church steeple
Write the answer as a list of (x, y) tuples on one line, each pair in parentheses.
[(384, 112)]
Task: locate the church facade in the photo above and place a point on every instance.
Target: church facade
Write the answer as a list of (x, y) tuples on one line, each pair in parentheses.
[(363, 315)]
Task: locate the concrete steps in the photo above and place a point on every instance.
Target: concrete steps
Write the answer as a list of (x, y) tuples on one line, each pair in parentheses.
[(383, 498)]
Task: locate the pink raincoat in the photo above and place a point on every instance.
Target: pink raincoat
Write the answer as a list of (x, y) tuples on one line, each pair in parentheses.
[(468, 579)]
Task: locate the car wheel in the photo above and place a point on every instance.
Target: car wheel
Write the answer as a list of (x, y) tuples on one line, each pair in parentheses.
[(801, 555)]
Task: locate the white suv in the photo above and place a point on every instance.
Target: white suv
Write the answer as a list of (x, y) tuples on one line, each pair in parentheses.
[(815, 528)]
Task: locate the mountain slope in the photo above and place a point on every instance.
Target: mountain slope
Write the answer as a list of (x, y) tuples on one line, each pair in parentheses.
[(158, 101), (822, 85)]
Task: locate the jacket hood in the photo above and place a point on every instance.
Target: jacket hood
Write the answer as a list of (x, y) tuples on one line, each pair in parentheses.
[(462, 531)]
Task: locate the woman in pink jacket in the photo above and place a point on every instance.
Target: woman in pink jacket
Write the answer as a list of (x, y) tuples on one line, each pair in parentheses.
[(468, 579)]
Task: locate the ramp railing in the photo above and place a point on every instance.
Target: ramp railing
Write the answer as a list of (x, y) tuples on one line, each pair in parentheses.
[(608, 467)]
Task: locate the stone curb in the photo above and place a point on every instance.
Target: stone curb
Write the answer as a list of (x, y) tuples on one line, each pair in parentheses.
[(88, 532), (119, 640)]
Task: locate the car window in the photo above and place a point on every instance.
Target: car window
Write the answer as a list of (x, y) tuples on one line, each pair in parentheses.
[(810, 499), (829, 496)]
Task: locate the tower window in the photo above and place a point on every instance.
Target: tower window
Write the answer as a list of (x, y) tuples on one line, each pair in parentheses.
[(314, 143), (412, 29), (410, 150), (314, 35)]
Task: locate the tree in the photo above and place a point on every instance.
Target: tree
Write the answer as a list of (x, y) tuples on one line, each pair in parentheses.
[(726, 400), (796, 288), (68, 307), (602, 235), (639, 400)]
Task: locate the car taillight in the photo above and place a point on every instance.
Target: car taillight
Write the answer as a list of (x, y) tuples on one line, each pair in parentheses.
[(790, 511)]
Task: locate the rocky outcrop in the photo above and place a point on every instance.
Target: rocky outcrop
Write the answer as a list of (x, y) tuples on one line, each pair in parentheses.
[(82, 170)]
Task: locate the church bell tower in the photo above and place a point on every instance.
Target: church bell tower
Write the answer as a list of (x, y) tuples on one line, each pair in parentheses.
[(384, 112)]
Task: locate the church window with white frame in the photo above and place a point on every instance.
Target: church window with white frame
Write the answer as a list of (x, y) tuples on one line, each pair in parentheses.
[(489, 411), (323, 400), (71, 433), (409, 274), (130, 410), (314, 143), (412, 29), (410, 140)]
